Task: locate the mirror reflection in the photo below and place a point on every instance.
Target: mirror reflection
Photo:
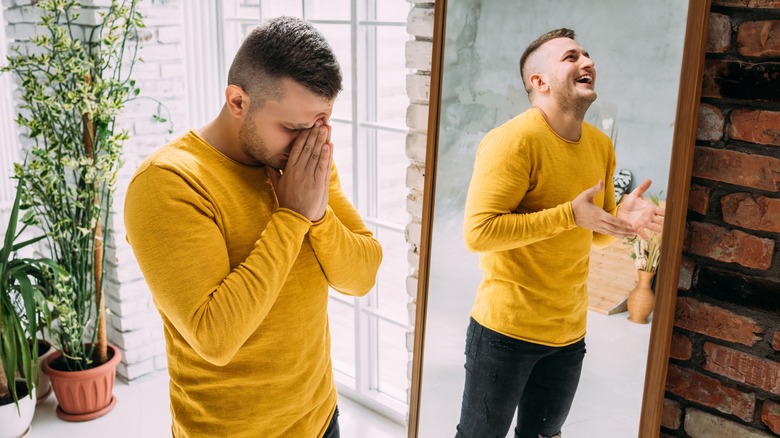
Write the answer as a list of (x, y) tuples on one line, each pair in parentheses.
[(636, 51)]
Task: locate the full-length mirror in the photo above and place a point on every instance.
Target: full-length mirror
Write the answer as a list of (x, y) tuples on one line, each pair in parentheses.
[(639, 51)]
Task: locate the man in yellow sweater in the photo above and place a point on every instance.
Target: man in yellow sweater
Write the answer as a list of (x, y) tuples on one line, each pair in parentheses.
[(239, 227), (536, 204)]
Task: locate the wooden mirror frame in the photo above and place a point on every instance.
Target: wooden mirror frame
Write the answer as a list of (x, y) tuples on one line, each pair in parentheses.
[(683, 144)]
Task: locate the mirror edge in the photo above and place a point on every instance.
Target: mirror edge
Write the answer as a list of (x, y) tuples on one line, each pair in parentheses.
[(432, 147), (678, 187)]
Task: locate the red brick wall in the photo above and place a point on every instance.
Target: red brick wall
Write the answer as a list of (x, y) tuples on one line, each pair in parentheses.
[(724, 371)]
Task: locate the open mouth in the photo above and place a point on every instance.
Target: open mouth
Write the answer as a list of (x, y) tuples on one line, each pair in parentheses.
[(584, 79)]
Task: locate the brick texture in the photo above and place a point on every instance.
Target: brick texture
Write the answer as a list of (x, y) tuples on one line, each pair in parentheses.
[(744, 368), (741, 80), (770, 415), (733, 297), (687, 269), (748, 3), (752, 211), (755, 126), (711, 392), (700, 424), (733, 246), (699, 199), (719, 33), (716, 322), (757, 292), (759, 38), (681, 347), (739, 168), (672, 414), (710, 125)]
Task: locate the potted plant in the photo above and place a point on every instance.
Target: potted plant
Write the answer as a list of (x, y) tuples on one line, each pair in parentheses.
[(24, 285), (74, 82)]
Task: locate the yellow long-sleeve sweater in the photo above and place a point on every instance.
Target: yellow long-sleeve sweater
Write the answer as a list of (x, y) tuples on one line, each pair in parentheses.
[(242, 288), (518, 216)]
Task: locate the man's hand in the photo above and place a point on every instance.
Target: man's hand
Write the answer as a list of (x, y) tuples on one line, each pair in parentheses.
[(589, 215), (304, 183), (641, 213), (324, 203)]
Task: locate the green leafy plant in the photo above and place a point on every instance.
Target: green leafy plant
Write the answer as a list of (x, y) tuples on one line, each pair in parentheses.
[(75, 79), (646, 253), (25, 284)]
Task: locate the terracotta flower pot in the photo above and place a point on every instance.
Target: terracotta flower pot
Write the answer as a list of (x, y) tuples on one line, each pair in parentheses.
[(84, 395)]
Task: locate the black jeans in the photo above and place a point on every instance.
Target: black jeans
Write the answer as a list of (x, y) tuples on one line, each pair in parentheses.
[(333, 428), (504, 374)]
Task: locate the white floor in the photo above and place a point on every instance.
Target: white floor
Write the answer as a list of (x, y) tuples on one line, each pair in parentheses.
[(607, 402), (609, 396), (142, 411)]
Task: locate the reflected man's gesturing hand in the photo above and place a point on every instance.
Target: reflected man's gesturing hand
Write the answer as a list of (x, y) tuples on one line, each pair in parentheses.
[(303, 186), (589, 215), (640, 213)]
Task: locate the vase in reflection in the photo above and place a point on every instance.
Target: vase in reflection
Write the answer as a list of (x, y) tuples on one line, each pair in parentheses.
[(641, 298)]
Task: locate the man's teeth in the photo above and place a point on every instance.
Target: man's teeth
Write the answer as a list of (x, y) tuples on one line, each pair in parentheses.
[(585, 79)]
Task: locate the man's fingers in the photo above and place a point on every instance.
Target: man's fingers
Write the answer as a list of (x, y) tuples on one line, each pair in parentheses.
[(297, 148), (323, 164), (309, 146), (319, 141), (642, 188), (593, 191)]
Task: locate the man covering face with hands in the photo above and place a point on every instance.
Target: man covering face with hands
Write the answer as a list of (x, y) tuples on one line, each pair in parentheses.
[(239, 228)]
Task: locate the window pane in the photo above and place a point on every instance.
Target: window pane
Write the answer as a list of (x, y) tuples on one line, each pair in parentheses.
[(391, 75), (392, 360), (391, 296), (391, 178), (276, 8), (392, 10), (341, 138), (244, 9), (340, 40), (342, 331), (328, 10)]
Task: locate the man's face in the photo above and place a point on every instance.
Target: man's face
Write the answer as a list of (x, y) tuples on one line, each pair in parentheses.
[(571, 74), (267, 133)]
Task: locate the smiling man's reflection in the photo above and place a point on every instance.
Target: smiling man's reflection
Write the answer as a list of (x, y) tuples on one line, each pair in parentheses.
[(541, 196)]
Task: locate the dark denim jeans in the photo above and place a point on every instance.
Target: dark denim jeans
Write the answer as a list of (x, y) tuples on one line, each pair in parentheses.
[(504, 374), (333, 428)]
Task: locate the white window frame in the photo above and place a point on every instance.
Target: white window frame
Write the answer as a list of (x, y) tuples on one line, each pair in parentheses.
[(204, 30), (10, 147)]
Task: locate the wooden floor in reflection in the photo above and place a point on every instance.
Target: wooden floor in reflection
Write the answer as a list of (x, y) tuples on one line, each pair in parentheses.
[(612, 276)]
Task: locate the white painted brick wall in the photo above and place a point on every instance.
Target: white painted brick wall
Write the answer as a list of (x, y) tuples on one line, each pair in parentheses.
[(419, 54), (134, 326)]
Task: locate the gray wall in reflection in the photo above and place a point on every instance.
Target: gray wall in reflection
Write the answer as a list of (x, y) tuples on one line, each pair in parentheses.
[(636, 47)]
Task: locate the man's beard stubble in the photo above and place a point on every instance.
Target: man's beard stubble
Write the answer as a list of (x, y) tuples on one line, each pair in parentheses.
[(254, 147)]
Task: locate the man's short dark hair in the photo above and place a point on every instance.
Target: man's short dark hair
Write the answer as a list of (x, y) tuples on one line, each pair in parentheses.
[(551, 35), (285, 47)]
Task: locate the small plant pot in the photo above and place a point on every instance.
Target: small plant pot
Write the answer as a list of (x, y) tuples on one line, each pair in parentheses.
[(45, 349), (16, 422), (84, 395)]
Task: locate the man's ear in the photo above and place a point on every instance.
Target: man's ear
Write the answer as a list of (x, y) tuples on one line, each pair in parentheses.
[(539, 83), (237, 101)]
